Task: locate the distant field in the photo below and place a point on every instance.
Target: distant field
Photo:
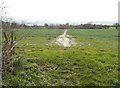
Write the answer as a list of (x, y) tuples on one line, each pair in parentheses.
[(92, 62)]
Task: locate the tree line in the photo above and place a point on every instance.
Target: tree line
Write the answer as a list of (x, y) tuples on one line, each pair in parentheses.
[(16, 25)]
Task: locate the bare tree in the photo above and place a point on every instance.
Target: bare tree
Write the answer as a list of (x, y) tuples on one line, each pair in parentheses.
[(2, 11), (7, 45)]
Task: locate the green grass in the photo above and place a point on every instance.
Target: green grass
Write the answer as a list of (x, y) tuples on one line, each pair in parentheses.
[(92, 62)]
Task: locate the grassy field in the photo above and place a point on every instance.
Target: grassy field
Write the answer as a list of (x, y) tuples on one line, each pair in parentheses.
[(92, 62)]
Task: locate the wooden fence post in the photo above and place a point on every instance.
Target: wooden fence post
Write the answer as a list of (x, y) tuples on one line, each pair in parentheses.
[(8, 48)]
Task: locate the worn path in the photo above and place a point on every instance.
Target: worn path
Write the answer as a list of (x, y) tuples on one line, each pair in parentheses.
[(65, 40)]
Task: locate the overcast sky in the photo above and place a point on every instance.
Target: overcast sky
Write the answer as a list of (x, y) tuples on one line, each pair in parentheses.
[(63, 10)]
